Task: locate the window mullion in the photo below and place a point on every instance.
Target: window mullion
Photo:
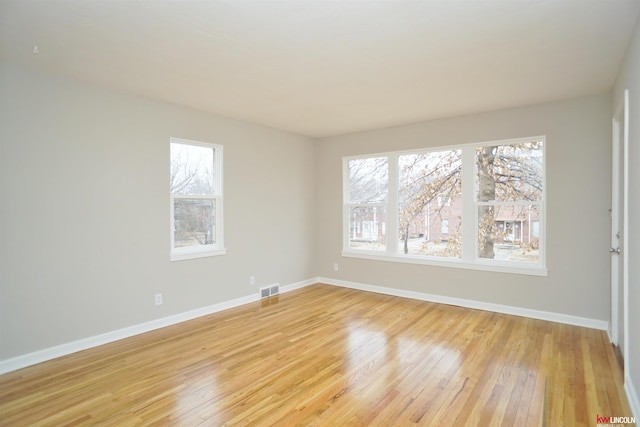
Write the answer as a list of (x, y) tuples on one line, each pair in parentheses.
[(392, 208), (346, 205), (195, 196), (219, 221), (469, 211), (172, 223)]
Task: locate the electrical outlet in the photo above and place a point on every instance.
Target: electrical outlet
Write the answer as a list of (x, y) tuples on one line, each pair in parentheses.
[(252, 280), (335, 266), (158, 299)]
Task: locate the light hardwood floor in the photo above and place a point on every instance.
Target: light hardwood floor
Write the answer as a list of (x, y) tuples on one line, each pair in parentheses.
[(330, 356)]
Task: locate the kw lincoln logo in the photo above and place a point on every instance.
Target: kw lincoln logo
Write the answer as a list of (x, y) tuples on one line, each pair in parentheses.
[(614, 421)]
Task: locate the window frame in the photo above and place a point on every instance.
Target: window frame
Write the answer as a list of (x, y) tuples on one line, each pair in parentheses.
[(470, 252), (207, 250)]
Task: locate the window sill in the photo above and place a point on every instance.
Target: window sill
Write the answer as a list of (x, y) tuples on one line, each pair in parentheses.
[(192, 254), (499, 267)]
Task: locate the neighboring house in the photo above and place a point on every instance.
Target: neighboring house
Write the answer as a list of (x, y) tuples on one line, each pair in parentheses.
[(441, 221)]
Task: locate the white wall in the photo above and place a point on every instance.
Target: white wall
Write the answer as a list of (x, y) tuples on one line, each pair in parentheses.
[(578, 192), (84, 225), (629, 78)]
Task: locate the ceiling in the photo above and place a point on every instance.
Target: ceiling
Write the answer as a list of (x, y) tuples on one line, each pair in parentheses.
[(322, 68)]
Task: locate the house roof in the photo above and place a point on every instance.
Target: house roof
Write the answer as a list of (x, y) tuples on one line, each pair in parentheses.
[(322, 68)]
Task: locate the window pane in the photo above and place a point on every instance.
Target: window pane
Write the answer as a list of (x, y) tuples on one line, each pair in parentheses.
[(509, 173), (436, 232), (191, 169), (509, 232), (429, 203), (367, 228), (194, 221), (368, 180)]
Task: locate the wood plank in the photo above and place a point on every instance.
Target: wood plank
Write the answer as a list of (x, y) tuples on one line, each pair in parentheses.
[(325, 355)]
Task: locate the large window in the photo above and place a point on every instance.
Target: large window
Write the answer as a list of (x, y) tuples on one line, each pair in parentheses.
[(195, 199), (475, 206)]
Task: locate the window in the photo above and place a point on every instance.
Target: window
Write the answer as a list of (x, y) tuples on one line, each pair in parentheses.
[(509, 182), (427, 182), (195, 199), (444, 227), (366, 206), (474, 206)]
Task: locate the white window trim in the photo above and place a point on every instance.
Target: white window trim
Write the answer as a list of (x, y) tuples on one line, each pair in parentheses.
[(470, 258), (192, 252)]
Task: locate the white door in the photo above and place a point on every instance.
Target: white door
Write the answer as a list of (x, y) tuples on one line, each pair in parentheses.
[(619, 225)]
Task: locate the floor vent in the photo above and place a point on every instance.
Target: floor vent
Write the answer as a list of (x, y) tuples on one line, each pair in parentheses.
[(270, 291)]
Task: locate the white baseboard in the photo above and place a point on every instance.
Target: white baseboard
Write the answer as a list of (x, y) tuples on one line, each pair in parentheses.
[(632, 396), (298, 285), (29, 359), (487, 306)]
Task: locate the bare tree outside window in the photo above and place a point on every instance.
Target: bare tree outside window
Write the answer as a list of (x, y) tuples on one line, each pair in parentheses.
[(368, 192), (509, 186), (428, 185), (368, 180), (194, 222), (191, 169)]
